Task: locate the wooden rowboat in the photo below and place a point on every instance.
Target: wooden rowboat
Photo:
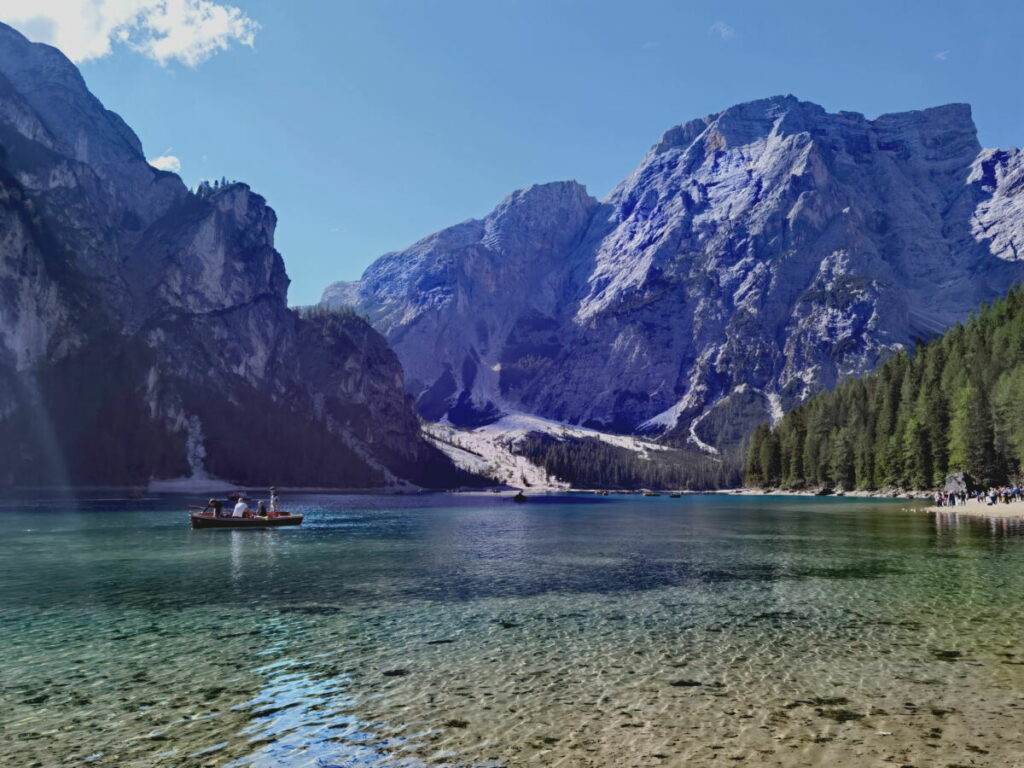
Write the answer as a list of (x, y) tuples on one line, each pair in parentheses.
[(200, 520)]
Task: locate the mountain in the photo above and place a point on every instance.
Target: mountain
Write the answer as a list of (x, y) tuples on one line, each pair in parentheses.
[(957, 405), (144, 328), (753, 258)]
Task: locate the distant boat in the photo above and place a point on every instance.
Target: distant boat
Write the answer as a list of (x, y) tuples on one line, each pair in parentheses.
[(519, 498), (674, 495), (200, 520), (651, 493)]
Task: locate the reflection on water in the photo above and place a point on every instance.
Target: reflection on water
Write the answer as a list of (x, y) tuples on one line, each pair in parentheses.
[(964, 526), (466, 630)]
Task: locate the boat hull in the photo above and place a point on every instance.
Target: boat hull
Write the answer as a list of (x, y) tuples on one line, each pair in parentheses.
[(209, 521)]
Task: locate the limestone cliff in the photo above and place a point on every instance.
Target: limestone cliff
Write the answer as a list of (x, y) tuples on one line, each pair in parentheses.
[(144, 328), (754, 257)]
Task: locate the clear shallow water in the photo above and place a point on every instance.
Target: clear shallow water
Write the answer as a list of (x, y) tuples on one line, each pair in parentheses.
[(466, 630)]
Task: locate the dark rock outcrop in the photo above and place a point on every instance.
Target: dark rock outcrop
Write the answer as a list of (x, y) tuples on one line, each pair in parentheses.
[(144, 329), (961, 482)]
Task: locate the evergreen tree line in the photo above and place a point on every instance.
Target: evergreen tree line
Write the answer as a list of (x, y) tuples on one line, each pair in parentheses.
[(206, 188), (592, 463), (956, 405)]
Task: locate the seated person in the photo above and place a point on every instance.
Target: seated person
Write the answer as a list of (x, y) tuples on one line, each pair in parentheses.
[(242, 509), (261, 508)]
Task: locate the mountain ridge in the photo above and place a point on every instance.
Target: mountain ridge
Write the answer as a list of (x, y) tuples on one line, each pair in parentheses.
[(754, 257), (145, 333)]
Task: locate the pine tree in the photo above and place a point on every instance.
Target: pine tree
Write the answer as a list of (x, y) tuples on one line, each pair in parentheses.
[(842, 468), (754, 474), (956, 404), (771, 459)]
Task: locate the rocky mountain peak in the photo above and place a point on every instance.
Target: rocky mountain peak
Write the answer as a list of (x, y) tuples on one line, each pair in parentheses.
[(543, 216), (56, 91), (754, 256), (145, 333)]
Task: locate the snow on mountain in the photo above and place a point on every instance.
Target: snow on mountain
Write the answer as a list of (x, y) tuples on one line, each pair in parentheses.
[(488, 450), (754, 257)]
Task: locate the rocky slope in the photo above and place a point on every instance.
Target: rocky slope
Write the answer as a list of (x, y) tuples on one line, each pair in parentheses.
[(754, 257), (144, 329)]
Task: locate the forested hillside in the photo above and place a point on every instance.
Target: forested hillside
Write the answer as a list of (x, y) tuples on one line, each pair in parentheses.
[(591, 463), (956, 404)]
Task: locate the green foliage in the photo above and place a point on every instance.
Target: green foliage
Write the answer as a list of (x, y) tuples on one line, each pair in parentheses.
[(343, 313), (956, 404), (1008, 403), (592, 463)]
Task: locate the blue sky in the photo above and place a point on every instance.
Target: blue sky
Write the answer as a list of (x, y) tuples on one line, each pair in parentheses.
[(368, 124)]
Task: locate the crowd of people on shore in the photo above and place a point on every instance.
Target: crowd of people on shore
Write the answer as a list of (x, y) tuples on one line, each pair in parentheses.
[(1001, 495)]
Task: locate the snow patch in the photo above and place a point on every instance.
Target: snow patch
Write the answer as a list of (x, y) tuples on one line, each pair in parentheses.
[(696, 440), (488, 450), (664, 420), (488, 454), (515, 426), (774, 407), (198, 479)]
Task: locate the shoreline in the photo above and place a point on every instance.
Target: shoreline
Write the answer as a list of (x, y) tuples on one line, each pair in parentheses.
[(182, 489), (1012, 511)]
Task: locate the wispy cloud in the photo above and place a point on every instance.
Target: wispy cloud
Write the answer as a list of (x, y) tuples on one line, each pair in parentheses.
[(722, 30), (650, 45), (186, 31), (942, 55), (166, 163)]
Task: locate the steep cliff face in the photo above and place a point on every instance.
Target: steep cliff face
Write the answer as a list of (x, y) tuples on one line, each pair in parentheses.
[(144, 329), (472, 310), (754, 257)]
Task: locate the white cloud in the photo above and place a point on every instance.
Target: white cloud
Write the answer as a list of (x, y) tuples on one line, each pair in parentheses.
[(942, 55), (188, 31), (722, 29), (166, 163), (650, 45)]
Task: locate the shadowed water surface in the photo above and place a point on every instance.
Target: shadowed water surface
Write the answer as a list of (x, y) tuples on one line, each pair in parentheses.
[(467, 630)]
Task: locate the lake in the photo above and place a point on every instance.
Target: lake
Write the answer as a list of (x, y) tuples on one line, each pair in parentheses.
[(458, 629)]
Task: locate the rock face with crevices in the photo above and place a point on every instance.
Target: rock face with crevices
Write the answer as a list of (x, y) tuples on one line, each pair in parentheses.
[(754, 257), (144, 329)]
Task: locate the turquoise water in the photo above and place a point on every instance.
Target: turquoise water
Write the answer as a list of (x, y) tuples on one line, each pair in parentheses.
[(467, 630)]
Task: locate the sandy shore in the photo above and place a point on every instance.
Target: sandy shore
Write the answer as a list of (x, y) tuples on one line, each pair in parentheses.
[(1015, 509)]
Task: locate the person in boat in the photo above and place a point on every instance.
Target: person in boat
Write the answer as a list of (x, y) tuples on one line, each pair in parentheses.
[(242, 509), (275, 503), (261, 508), (215, 506)]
